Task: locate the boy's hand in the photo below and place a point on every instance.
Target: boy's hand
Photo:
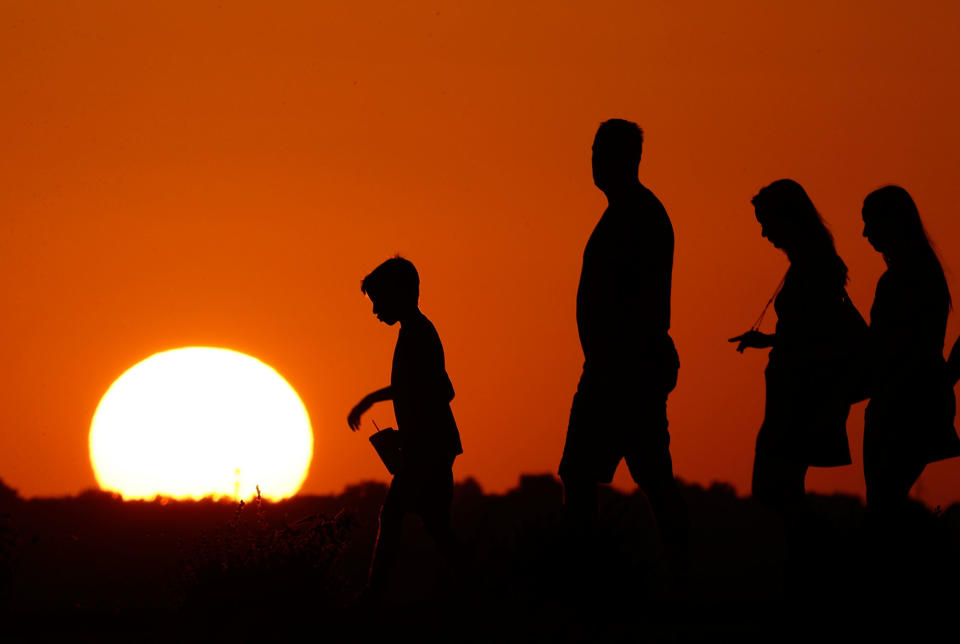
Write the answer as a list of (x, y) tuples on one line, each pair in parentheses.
[(353, 419)]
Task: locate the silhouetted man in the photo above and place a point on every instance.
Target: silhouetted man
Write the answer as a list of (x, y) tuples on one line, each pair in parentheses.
[(623, 317)]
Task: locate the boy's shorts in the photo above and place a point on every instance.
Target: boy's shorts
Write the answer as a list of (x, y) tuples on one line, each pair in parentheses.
[(606, 425), (424, 490)]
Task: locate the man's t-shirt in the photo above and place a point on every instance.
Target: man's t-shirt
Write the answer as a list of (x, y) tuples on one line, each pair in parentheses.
[(422, 393), (623, 300)]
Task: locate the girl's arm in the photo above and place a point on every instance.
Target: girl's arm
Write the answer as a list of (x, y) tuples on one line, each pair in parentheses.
[(754, 340)]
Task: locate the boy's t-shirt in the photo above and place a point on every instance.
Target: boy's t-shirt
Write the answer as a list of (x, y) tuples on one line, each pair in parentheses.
[(422, 392)]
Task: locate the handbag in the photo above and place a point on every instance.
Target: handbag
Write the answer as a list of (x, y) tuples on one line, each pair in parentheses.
[(853, 369)]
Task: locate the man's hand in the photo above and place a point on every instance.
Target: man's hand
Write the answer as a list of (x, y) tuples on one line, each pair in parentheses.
[(752, 340), (953, 362), (353, 419)]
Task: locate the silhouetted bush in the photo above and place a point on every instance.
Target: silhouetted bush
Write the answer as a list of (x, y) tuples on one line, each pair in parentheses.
[(252, 564)]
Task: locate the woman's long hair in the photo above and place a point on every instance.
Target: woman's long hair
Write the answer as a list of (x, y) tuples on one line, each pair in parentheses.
[(787, 200), (896, 207)]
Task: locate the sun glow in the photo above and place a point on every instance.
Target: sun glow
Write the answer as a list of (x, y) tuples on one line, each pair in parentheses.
[(200, 421)]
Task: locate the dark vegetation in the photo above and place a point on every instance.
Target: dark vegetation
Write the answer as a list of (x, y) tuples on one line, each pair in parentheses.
[(104, 568)]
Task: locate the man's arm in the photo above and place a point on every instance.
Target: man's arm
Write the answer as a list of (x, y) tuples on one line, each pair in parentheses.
[(380, 395)]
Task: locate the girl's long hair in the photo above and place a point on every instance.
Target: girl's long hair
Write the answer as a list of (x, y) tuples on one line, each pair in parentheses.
[(895, 205), (787, 199)]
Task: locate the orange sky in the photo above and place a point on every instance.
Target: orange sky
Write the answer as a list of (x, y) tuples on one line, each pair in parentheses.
[(224, 174)]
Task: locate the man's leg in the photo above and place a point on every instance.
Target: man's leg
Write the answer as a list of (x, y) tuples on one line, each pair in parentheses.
[(655, 477), (651, 467), (588, 458)]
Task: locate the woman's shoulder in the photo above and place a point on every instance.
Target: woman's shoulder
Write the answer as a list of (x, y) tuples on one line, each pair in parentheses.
[(920, 280), (827, 276)]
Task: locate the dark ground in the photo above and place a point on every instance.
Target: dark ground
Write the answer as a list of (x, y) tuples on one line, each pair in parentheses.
[(94, 568)]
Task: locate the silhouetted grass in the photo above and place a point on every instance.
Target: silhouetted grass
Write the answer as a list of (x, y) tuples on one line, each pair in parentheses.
[(214, 570), (253, 566)]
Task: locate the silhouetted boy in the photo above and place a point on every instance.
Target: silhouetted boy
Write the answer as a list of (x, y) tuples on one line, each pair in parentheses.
[(421, 393), (623, 317)]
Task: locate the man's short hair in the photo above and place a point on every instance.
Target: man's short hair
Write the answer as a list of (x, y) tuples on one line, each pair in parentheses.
[(621, 139), (397, 276)]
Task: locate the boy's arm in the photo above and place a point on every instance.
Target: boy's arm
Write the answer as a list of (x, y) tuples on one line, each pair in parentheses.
[(380, 395)]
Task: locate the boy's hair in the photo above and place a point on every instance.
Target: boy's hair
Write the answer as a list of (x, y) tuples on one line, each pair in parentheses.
[(397, 275)]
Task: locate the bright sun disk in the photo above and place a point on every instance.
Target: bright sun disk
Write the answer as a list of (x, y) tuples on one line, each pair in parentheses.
[(201, 421)]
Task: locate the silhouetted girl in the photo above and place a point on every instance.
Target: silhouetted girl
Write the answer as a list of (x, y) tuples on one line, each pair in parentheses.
[(909, 420), (805, 415)]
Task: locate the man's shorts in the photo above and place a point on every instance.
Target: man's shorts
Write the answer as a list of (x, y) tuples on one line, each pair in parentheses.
[(610, 422)]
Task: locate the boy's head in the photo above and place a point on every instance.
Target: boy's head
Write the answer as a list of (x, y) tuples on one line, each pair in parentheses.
[(394, 289)]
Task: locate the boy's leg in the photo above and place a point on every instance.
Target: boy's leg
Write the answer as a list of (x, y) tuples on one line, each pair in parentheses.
[(435, 499), (388, 534)]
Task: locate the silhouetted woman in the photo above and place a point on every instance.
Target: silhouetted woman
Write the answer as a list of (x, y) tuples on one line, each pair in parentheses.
[(909, 420), (804, 422)]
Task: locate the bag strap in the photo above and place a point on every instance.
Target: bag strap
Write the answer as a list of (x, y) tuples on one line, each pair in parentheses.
[(763, 313)]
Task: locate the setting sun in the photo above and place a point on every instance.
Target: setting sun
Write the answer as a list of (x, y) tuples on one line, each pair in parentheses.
[(200, 421)]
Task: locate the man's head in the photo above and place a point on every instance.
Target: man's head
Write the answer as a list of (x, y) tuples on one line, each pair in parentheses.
[(617, 148), (394, 289)]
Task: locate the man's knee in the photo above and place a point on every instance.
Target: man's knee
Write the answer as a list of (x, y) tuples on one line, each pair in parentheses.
[(653, 475)]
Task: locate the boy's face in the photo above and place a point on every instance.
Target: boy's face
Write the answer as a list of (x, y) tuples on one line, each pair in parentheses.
[(385, 308)]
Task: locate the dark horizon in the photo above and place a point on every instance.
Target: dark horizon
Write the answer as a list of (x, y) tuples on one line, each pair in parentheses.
[(143, 566)]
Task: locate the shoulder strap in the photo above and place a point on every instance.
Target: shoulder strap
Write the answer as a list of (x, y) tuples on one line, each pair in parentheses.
[(763, 313)]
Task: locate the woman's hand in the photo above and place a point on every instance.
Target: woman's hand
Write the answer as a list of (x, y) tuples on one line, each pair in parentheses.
[(753, 340)]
